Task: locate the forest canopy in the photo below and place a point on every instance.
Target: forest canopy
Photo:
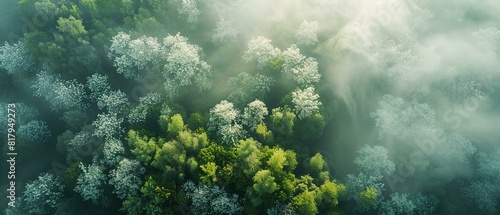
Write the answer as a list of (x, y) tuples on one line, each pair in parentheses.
[(251, 107)]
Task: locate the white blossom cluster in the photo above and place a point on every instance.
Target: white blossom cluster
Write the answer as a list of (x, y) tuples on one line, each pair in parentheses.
[(15, 58), (176, 60), (113, 151), (254, 114), (374, 161), (139, 113), (61, 94), (307, 33), (114, 102), (246, 87), (224, 119), (80, 140), (107, 126), (305, 102), (225, 33), (189, 9), (90, 183), (35, 131), (98, 86), (42, 195), (135, 59), (126, 178), (229, 123), (299, 68), (399, 118), (184, 65), (260, 50), (207, 200)]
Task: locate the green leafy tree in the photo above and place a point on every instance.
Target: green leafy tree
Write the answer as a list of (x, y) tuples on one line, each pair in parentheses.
[(304, 203), (248, 155), (368, 197), (264, 185), (176, 124), (143, 148)]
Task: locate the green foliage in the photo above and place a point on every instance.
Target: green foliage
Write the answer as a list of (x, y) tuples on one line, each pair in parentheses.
[(277, 63), (71, 26), (264, 184), (317, 164), (282, 121), (264, 133), (197, 120), (171, 159), (176, 124), (209, 171), (310, 129), (330, 192), (304, 203), (368, 196), (277, 160), (248, 155), (70, 175), (142, 148)]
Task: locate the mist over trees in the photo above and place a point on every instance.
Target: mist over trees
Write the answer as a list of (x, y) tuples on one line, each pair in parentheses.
[(252, 107)]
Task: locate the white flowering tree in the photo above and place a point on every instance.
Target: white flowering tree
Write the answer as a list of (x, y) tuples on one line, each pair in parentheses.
[(107, 126), (254, 114), (184, 65), (61, 94), (246, 87), (35, 131), (188, 9), (225, 120), (299, 68), (261, 50), (80, 140), (307, 33), (401, 119), (113, 151), (42, 195), (136, 59), (211, 199), (374, 161), (175, 60), (90, 183), (225, 34), (139, 113), (126, 178), (114, 102), (98, 86), (15, 58), (485, 191), (305, 102)]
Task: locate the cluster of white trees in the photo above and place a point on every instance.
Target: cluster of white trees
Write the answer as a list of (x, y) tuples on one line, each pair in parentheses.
[(207, 200), (42, 195), (307, 33), (175, 60), (305, 102), (230, 124), (61, 94), (299, 68), (15, 58)]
